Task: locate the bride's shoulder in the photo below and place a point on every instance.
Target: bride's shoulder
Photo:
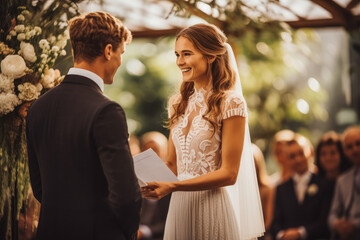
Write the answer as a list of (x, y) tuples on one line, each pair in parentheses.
[(234, 96), (233, 104)]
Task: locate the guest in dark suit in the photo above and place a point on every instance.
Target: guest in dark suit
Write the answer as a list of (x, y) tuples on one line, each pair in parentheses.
[(80, 164), (344, 217), (302, 202), (154, 212)]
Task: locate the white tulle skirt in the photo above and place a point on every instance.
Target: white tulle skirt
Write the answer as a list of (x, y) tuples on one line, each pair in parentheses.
[(201, 215)]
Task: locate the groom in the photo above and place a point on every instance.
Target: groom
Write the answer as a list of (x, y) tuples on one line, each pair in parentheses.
[(80, 164)]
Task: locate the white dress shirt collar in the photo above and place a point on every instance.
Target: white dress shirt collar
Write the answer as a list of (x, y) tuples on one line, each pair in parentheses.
[(304, 178), (88, 74)]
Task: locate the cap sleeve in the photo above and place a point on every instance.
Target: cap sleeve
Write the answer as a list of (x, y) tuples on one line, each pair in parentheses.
[(234, 105), (173, 101)]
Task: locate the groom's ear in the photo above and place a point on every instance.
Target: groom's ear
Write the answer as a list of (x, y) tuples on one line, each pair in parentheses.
[(108, 51)]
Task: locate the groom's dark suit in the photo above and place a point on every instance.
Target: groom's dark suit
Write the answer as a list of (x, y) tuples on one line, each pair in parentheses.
[(80, 164), (311, 213)]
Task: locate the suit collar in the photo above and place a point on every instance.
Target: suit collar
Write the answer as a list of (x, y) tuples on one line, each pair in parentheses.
[(88, 74), (81, 80)]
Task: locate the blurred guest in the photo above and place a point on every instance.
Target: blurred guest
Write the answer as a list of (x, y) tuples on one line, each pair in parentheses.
[(344, 218), (154, 212), (280, 141), (266, 191), (134, 145), (157, 142), (302, 202), (330, 158)]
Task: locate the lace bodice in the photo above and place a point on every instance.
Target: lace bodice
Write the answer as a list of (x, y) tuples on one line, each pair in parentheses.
[(198, 150)]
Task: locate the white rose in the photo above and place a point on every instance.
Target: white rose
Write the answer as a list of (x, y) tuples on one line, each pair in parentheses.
[(20, 17), (13, 66), (6, 83), (44, 44), (28, 36), (21, 37), (43, 55), (62, 43), (19, 28), (37, 30), (55, 49), (25, 12), (52, 39), (62, 53), (48, 79), (13, 33), (28, 51), (8, 102), (32, 33), (29, 91)]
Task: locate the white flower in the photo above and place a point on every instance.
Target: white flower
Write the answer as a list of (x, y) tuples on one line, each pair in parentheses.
[(52, 39), (6, 83), (43, 55), (48, 79), (62, 43), (29, 91), (25, 12), (8, 102), (32, 33), (8, 37), (21, 36), (28, 36), (28, 51), (37, 30), (55, 49), (62, 53), (312, 189), (13, 33), (19, 28), (44, 44), (20, 17), (13, 66)]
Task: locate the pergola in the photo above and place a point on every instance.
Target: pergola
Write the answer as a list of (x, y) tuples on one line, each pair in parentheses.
[(151, 19)]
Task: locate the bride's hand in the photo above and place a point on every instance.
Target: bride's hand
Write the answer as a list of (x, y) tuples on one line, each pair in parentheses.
[(156, 190)]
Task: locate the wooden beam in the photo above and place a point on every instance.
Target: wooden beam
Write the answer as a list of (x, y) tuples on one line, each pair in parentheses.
[(352, 4), (155, 33), (339, 13), (318, 23)]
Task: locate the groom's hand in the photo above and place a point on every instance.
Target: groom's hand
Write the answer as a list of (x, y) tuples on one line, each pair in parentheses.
[(157, 190)]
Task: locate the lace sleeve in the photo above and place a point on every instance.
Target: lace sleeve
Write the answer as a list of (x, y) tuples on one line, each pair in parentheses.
[(234, 105), (173, 101)]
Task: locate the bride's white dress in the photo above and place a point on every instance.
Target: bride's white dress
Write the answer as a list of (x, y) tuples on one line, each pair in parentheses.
[(201, 215)]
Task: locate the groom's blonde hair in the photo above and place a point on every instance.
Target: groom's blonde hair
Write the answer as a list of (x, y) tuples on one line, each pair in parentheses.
[(91, 32)]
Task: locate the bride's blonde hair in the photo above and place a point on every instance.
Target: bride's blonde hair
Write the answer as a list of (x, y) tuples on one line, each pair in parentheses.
[(210, 41)]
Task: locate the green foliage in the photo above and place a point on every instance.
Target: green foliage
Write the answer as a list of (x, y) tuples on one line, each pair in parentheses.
[(143, 84)]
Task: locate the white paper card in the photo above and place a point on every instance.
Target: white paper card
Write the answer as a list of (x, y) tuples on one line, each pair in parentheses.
[(149, 168)]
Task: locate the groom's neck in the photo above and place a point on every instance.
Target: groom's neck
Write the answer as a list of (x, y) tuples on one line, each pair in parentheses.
[(94, 66)]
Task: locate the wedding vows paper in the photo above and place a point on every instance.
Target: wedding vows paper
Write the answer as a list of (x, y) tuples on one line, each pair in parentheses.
[(149, 168)]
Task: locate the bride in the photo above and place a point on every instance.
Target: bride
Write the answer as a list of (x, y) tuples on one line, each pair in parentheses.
[(209, 146)]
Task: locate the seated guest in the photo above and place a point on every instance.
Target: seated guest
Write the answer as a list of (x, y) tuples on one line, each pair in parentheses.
[(266, 192), (330, 159), (302, 202), (280, 141), (154, 212), (344, 217)]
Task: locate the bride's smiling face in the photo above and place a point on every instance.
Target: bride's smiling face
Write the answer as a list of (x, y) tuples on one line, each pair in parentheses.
[(192, 63)]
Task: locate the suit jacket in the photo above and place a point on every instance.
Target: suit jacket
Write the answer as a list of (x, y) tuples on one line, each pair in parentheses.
[(342, 201), (153, 215), (311, 213), (81, 169)]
